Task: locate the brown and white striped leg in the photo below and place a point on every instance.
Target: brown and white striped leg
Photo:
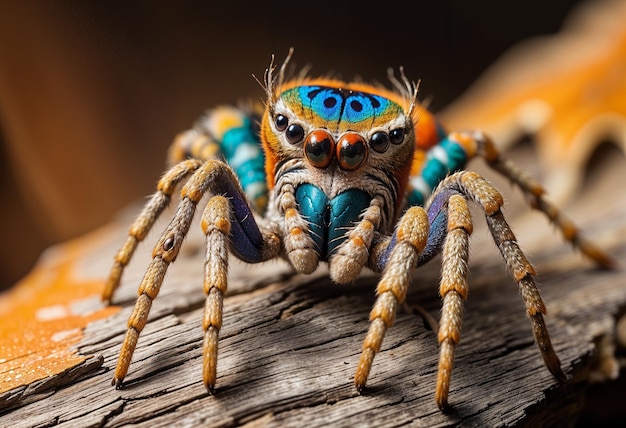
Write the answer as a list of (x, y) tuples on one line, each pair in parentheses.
[(346, 265), (165, 251), (144, 222), (216, 227), (411, 235), (517, 263), (485, 148), (454, 290)]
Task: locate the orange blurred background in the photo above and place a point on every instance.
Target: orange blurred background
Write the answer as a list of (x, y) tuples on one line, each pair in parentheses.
[(92, 93)]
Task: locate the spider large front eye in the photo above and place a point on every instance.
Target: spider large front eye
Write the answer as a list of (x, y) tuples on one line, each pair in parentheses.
[(380, 142), (351, 151), (318, 148), (396, 136), (281, 122), (294, 133)]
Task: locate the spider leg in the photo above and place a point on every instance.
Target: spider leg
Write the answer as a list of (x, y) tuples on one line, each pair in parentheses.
[(346, 264), (474, 187), (216, 226), (300, 248), (250, 244), (453, 289), (450, 226), (164, 252), (409, 240), (523, 272), (485, 148), (247, 242), (144, 222)]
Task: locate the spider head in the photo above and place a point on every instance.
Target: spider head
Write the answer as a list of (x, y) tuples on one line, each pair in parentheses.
[(340, 132)]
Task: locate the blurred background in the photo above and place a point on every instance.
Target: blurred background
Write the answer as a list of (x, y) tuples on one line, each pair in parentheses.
[(92, 93)]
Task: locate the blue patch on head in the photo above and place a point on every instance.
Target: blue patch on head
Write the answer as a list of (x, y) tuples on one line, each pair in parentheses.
[(325, 103), (339, 105)]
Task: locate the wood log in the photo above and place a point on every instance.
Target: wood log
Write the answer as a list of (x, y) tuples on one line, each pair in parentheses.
[(290, 343)]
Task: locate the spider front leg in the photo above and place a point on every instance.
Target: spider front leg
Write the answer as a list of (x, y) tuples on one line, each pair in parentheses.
[(405, 255), (454, 291), (221, 219), (410, 239), (216, 226), (248, 243), (144, 222)]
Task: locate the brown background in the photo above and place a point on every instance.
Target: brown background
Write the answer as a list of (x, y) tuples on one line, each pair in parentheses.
[(91, 93)]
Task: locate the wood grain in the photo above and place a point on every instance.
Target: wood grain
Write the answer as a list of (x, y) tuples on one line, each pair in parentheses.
[(290, 344)]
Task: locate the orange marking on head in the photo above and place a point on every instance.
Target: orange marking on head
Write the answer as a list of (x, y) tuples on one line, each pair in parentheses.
[(271, 147), (426, 132), (426, 136)]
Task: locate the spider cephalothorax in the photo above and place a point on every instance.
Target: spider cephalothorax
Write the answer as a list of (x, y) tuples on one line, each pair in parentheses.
[(352, 174), (336, 148)]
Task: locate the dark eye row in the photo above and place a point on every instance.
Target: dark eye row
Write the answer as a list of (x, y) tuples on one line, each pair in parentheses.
[(379, 142)]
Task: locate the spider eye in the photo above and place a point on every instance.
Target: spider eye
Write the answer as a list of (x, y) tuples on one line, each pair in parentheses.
[(396, 135), (351, 151), (380, 142), (318, 148), (294, 133), (281, 122)]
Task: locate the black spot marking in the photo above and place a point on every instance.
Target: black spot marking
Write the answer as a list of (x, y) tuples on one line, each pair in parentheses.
[(168, 244)]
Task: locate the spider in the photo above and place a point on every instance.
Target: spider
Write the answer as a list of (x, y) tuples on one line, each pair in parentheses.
[(351, 174)]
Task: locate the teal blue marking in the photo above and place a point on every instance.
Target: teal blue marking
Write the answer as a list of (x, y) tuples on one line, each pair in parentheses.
[(249, 173), (415, 198), (324, 103), (249, 167), (313, 205), (338, 105), (345, 210), (329, 220), (433, 172), (457, 158)]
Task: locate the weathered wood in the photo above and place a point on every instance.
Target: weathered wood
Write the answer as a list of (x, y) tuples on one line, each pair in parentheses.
[(290, 344)]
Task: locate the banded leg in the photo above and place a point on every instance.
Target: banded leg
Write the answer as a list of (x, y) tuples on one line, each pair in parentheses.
[(144, 222), (228, 225), (454, 290), (216, 226), (478, 189), (523, 272), (411, 237), (299, 245), (486, 149), (165, 251), (215, 177), (347, 263)]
